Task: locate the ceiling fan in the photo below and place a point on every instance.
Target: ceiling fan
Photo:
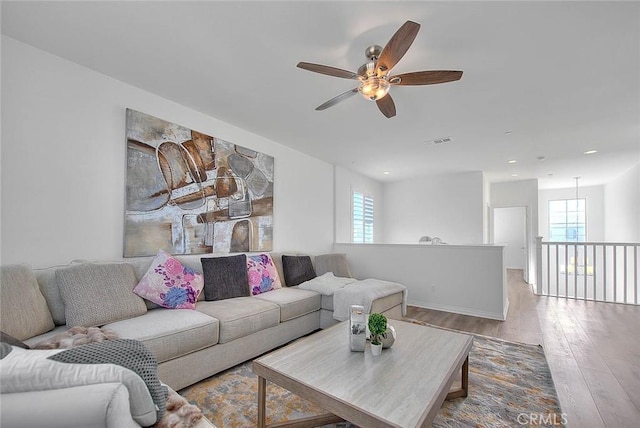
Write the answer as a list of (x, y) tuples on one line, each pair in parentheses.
[(374, 75)]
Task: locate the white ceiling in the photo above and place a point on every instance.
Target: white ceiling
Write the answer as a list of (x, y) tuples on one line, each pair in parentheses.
[(562, 77)]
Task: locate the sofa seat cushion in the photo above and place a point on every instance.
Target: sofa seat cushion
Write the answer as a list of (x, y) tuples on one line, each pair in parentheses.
[(169, 333), (241, 316), (293, 302), (33, 341)]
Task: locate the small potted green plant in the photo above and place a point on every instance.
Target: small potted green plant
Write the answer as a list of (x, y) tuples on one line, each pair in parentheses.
[(377, 328)]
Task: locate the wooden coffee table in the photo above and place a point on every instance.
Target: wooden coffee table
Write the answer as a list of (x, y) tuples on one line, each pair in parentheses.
[(404, 387)]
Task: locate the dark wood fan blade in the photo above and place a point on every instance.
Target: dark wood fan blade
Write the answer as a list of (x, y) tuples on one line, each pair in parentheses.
[(387, 106), (329, 71), (335, 100), (397, 46), (426, 77)]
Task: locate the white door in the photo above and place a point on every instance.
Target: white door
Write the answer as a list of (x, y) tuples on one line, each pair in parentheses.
[(509, 229)]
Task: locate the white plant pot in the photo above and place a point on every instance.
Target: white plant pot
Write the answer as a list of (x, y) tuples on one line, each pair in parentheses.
[(376, 349)]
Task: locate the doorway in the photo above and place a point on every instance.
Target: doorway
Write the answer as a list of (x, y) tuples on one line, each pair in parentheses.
[(510, 229)]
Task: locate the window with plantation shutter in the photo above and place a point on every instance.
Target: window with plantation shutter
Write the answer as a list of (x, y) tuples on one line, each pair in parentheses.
[(362, 218)]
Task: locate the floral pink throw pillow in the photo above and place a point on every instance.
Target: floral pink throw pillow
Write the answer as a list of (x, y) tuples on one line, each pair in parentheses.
[(170, 284), (262, 274)]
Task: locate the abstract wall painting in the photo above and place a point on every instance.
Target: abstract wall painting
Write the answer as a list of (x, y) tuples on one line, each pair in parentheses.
[(191, 193)]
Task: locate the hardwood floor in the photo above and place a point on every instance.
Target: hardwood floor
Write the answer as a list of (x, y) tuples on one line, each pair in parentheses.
[(593, 349)]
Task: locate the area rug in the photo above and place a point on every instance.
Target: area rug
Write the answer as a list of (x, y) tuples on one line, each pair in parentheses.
[(510, 385)]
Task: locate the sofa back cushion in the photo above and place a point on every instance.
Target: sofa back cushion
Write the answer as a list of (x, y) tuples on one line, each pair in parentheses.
[(335, 262), (97, 294), (49, 287), (23, 309)]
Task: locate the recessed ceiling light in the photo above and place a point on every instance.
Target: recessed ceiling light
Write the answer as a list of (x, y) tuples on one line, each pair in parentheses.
[(386, 173), (508, 132), (541, 158), (590, 152), (512, 161), (514, 175)]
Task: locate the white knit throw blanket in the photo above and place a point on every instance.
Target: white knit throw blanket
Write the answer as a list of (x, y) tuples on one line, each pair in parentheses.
[(364, 293), (350, 291), (326, 284)]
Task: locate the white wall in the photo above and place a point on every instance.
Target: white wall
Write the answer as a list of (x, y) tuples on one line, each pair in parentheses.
[(467, 280), (449, 206), (594, 214), (347, 181), (63, 163), (486, 210), (622, 207), (523, 193)]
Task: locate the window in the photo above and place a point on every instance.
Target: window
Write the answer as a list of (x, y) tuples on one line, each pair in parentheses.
[(567, 220), (362, 218)]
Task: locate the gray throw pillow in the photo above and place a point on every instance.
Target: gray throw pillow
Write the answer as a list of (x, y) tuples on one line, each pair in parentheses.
[(98, 294), (297, 269), (225, 277)]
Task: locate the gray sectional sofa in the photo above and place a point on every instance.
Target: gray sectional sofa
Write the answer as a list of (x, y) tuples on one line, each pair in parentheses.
[(190, 345)]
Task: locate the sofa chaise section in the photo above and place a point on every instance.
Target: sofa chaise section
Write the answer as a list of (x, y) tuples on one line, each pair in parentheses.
[(336, 263)]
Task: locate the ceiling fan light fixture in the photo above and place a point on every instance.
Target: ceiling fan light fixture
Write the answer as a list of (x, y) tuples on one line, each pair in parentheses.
[(374, 76), (373, 88)]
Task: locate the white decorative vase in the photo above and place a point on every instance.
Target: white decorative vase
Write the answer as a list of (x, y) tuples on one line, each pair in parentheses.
[(389, 337), (376, 349), (357, 328)]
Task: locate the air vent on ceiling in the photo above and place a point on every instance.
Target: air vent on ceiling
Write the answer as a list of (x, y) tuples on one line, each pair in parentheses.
[(440, 140)]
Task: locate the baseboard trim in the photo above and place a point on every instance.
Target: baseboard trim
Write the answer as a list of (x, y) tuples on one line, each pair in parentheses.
[(462, 311)]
